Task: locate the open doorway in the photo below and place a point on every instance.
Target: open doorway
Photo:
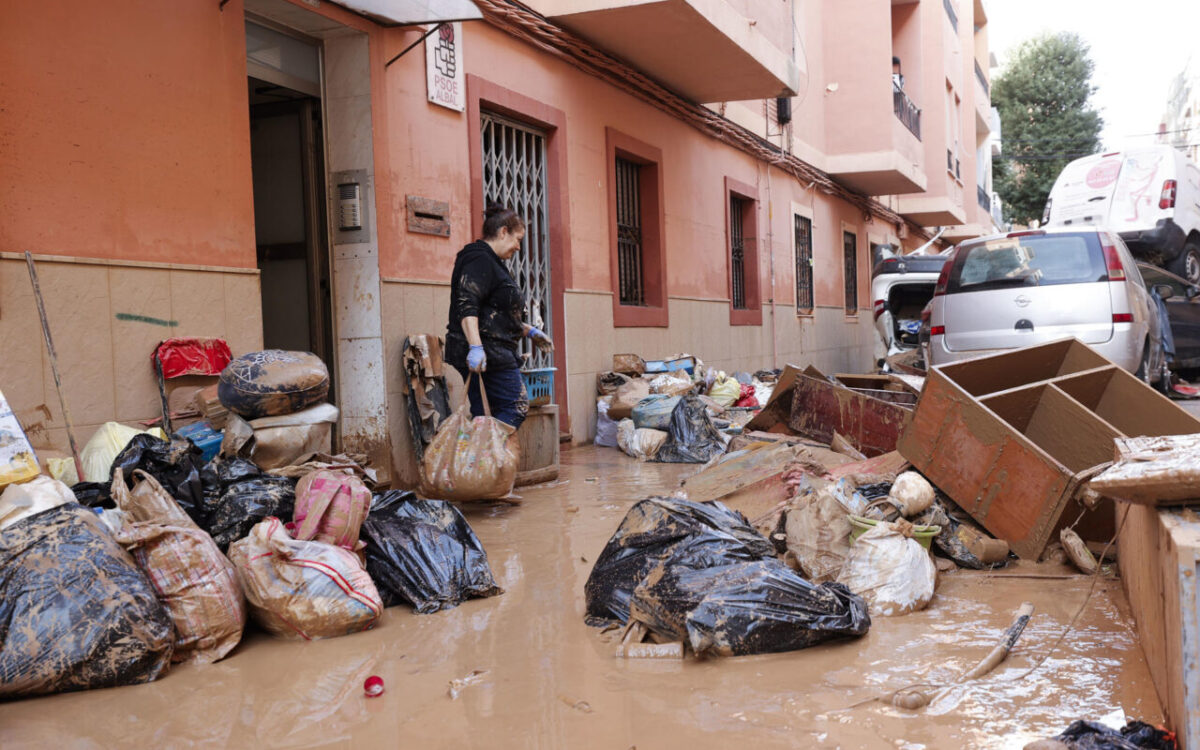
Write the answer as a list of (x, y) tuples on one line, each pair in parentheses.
[(287, 161)]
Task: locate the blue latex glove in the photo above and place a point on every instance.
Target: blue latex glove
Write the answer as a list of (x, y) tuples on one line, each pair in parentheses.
[(476, 359), (540, 339)]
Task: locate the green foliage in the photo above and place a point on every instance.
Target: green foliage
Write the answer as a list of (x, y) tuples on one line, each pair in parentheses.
[(1047, 122)]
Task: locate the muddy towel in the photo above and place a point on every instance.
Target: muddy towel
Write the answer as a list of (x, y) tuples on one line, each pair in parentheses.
[(237, 495), (299, 589), (75, 611), (649, 534), (691, 436), (194, 581), (425, 553)]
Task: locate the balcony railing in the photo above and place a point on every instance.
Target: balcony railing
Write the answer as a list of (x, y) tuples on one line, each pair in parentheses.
[(985, 200), (979, 76), (909, 113), (949, 5), (953, 165)]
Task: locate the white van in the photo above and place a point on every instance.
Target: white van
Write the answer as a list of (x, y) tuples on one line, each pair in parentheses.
[(1150, 196)]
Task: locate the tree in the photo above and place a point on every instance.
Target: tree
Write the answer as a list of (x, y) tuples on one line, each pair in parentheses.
[(1047, 122)]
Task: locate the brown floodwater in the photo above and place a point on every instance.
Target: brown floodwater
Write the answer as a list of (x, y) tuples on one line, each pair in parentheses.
[(549, 681)]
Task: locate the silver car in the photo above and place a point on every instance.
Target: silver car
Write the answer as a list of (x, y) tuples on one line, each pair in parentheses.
[(1012, 290)]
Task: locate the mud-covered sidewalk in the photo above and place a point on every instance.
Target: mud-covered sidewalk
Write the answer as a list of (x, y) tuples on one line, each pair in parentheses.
[(550, 681)]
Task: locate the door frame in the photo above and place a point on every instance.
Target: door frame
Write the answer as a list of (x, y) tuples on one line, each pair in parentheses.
[(484, 94)]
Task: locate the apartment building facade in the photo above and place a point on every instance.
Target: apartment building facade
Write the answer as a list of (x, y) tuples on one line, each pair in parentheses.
[(702, 176), (1180, 126)]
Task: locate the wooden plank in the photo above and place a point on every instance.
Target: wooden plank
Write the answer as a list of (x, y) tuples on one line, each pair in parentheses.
[(1159, 558), (778, 408), (1162, 470), (821, 408), (739, 471)]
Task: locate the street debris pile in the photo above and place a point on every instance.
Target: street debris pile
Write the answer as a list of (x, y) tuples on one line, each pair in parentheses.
[(155, 546), (866, 488)]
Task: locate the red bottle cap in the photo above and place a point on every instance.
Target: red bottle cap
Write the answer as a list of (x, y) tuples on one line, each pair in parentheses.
[(373, 686)]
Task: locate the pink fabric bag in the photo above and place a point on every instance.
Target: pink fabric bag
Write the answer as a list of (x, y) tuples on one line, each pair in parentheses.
[(330, 508)]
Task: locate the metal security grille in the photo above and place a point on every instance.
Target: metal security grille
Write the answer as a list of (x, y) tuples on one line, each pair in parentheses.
[(514, 175), (737, 250), (629, 233), (804, 264), (850, 250)]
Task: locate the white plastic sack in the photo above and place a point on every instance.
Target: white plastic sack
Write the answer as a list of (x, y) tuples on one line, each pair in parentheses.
[(912, 493), (606, 426), (890, 569), (20, 501), (112, 437), (642, 444)]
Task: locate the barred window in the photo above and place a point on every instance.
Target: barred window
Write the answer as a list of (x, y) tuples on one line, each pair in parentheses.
[(737, 250), (804, 264), (850, 271), (630, 267)]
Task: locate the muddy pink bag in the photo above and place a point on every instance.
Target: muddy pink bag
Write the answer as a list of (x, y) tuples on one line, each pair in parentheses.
[(330, 508)]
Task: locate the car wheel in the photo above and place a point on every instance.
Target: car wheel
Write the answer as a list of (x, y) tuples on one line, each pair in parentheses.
[(1187, 264)]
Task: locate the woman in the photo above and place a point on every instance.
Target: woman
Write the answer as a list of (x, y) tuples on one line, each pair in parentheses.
[(486, 318)]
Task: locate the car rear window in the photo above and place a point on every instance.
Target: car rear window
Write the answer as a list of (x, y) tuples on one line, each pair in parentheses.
[(1030, 260)]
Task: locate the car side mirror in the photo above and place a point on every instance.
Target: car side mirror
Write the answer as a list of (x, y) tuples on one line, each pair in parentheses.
[(1164, 290)]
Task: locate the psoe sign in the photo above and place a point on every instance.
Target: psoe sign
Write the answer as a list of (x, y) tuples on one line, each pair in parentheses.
[(444, 77)]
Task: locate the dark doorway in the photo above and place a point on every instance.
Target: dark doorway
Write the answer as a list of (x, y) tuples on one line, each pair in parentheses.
[(287, 156)]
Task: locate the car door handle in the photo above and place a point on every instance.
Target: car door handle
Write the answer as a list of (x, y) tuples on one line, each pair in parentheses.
[(1097, 198)]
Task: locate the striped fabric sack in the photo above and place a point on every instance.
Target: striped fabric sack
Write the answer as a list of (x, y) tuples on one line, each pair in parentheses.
[(330, 507), (303, 589), (194, 582)]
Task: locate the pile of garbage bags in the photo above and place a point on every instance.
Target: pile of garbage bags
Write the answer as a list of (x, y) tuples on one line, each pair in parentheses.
[(699, 572), (675, 410), (165, 554)]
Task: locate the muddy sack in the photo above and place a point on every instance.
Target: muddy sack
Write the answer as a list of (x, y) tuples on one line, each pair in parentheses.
[(818, 531), (691, 436), (273, 382), (890, 569), (195, 582), (238, 495), (469, 457), (304, 590), (649, 534), (424, 552), (175, 464), (75, 611), (654, 412), (745, 607)]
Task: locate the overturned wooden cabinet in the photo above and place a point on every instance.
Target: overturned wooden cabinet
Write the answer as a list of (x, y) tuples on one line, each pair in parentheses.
[(1011, 437)]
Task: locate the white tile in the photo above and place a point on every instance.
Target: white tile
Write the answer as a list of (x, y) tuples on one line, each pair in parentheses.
[(361, 378), (356, 300)]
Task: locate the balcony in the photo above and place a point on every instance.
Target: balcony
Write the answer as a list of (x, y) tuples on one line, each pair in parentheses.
[(908, 113), (704, 50), (983, 101), (983, 81)]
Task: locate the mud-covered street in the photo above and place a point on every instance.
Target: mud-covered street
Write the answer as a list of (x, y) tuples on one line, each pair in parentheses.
[(551, 681)]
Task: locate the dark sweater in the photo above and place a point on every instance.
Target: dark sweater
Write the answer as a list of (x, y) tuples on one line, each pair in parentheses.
[(482, 287)]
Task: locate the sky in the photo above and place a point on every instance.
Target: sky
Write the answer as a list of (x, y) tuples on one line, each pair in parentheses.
[(1138, 46)]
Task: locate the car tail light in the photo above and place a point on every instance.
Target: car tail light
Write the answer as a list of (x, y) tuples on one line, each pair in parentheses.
[(1112, 261), (880, 307), (943, 278), (937, 331), (1122, 317), (1167, 199)]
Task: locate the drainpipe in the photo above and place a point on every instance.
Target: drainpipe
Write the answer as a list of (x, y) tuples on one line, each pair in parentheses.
[(771, 249)]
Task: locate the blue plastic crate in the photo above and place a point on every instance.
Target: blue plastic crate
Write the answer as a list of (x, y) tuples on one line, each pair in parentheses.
[(205, 438), (539, 385)]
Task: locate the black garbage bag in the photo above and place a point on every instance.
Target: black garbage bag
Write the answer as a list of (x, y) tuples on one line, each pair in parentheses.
[(949, 541), (238, 494), (691, 437), (743, 607), (175, 464), (649, 534), (93, 494), (75, 611), (1135, 735), (425, 553)]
